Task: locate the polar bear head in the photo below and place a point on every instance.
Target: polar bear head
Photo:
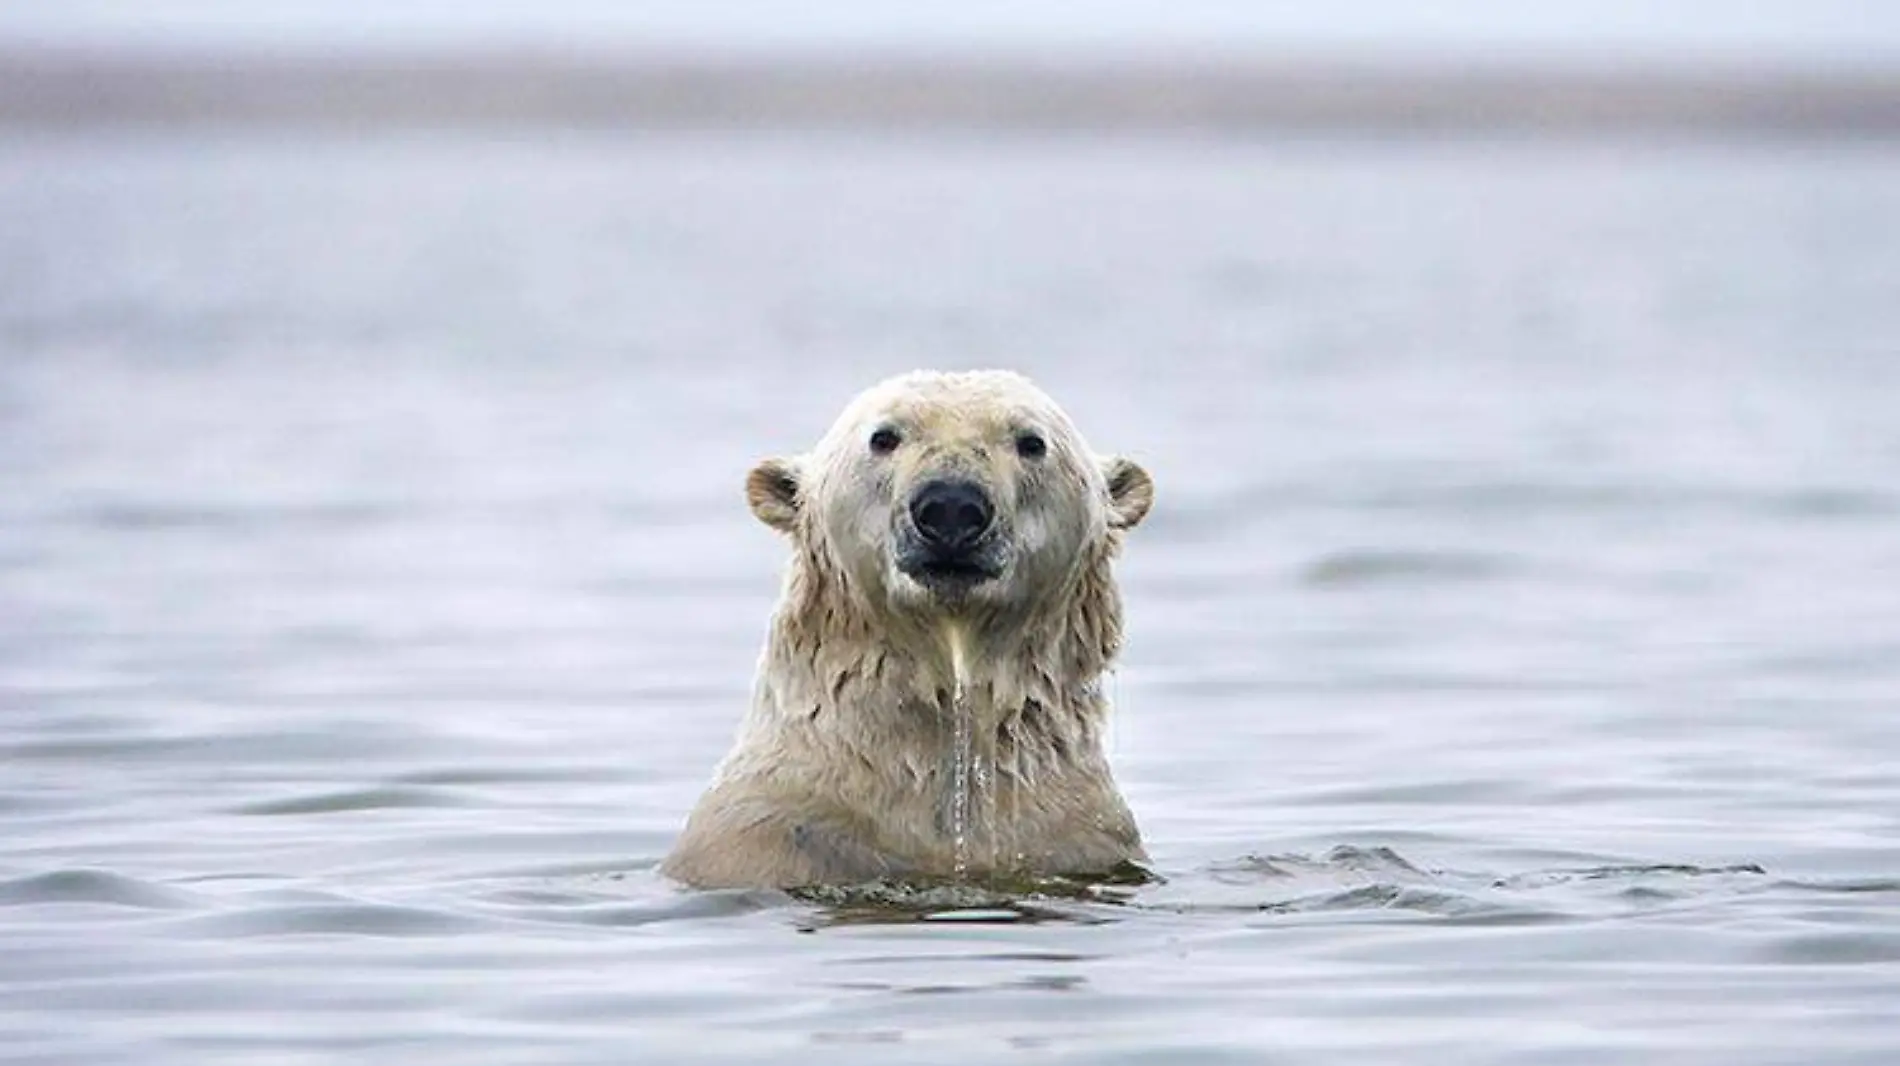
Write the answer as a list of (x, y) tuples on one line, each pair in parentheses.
[(952, 494)]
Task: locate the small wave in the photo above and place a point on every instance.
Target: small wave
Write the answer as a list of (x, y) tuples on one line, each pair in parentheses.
[(592, 910), (1622, 872), (1348, 882), (1823, 502), (1343, 858), (361, 742), (149, 516), (1384, 896), (334, 918), (366, 799), (1859, 886), (610, 894), (1838, 949), (1395, 565), (511, 775), (92, 886)]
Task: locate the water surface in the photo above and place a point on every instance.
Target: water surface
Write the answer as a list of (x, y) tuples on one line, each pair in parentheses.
[(1513, 654)]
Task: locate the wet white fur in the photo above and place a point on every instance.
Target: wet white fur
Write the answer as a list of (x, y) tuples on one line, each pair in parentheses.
[(844, 769)]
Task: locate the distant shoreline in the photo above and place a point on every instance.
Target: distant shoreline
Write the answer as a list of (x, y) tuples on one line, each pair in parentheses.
[(53, 90)]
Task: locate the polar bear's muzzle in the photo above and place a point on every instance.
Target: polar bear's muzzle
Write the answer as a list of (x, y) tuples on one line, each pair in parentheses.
[(949, 540)]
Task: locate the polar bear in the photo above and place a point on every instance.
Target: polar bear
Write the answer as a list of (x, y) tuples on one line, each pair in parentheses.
[(929, 703)]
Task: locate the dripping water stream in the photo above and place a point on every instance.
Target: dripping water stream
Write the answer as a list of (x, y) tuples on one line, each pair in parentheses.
[(974, 770), (971, 770), (963, 752)]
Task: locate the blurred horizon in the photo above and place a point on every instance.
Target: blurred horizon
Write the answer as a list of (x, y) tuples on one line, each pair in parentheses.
[(1780, 33), (1382, 67)]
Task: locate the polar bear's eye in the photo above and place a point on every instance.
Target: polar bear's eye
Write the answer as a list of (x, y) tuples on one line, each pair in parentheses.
[(1031, 445), (885, 441)]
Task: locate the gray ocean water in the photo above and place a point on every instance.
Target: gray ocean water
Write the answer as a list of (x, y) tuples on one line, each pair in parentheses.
[(1514, 649)]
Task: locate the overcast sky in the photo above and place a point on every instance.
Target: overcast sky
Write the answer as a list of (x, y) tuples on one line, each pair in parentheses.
[(1805, 31)]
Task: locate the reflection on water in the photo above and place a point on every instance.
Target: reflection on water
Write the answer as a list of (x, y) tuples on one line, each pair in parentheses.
[(1511, 649)]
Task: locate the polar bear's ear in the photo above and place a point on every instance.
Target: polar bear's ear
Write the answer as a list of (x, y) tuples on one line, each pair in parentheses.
[(772, 491), (1130, 492)]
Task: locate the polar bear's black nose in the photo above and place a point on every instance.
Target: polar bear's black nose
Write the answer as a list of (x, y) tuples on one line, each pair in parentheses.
[(950, 515)]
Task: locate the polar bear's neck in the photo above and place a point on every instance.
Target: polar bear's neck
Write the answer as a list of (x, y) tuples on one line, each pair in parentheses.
[(970, 739), (838, 656)]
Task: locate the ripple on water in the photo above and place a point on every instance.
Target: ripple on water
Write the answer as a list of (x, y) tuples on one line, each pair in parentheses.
[(332, 917), (1356, 883), (382, 797), (1347, 883), (1623, 873), (358, 742), (606, 895), (1381, 566), (645, 904), (95, 886), (146, 516), (564, 774), (1860, 948), (1856, 886)]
